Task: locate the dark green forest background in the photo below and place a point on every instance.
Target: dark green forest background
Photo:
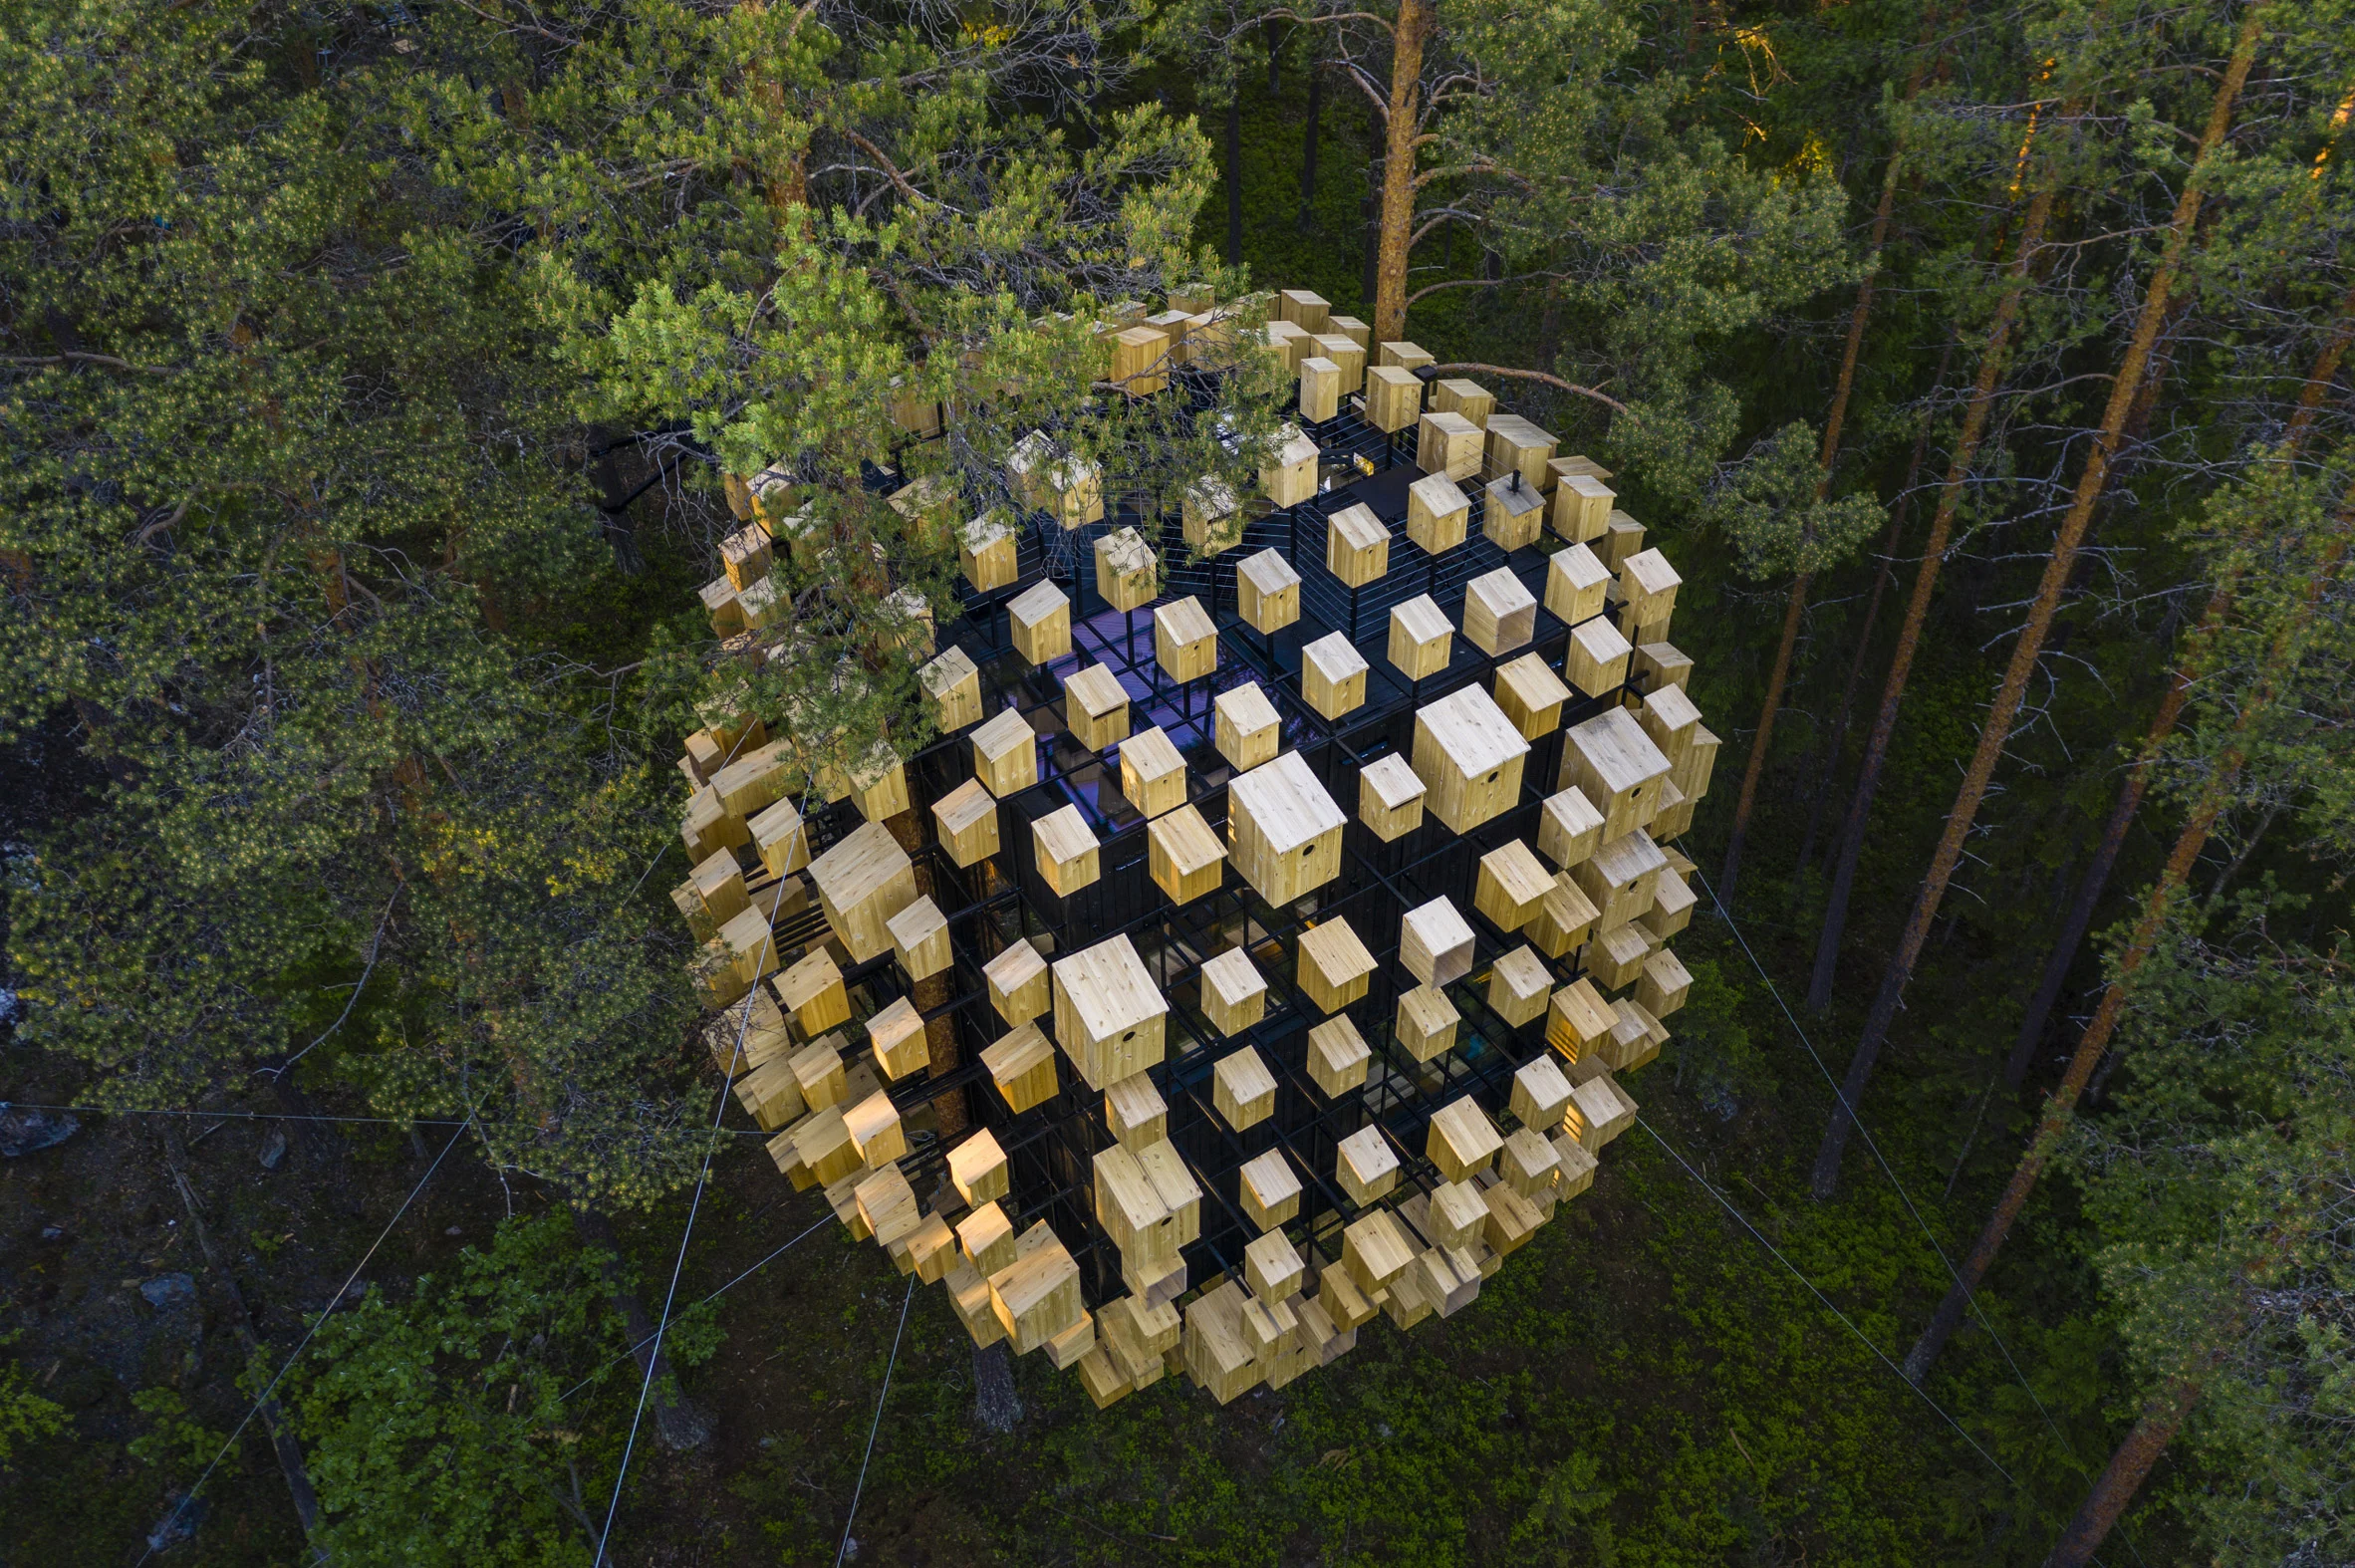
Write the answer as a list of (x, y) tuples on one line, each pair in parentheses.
[(370, 375)]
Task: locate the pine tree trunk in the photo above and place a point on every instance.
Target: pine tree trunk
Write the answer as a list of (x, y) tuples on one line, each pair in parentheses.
[(679, 1423), (1795, 610), (2030, 645), (2123, 1477), (1408, 35)]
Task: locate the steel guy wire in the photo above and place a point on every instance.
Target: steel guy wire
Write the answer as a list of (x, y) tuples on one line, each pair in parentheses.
[(876, 1426)]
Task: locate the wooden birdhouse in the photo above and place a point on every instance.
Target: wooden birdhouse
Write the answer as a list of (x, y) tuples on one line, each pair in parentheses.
[(1129, 1211), (1356, 546), (880, 784), (1517, 446), (862, 883), (1623, 537), (1393, 398), (1615, 768), (978, 1169), (1675, 814), (1511, 886), (1569, 828), (1390, 797), (1005, 754), (719, 883), (753, 781), (896, 1036), (988, 553), (1619, 878), (1038, 620), (1074, 492), (813, 990), (1333, 676), (1461, 1140), (1499, 614), (1448, 444), (1540, 1094), (1438, 512), (762, 604), (1350, 327), (1217, 1354), (1660, 988), (1245, 726), (1178, 1191), (1109, 1016), (1177, 326), (874, 1131), (953, 684), (1287, 344), (1672, 906), (1017, 980), (1578, 1020), (1425, 1023), (1022, 1066), (1140, 361), (1284, 830), (1066, 851), (1026, 470), (1185, 643), (1406, 356), (1127, 573), (1269, 1189), (745, 555), (1304, 309), (1335, 967), (1135, 1113), (1514, 513), (1469, 756), (1209, 517), (913, 411), (1421, 637), (1185, 857), (1366, 1172), (1320, 387), (932, 509), (1289, 476), (1243, 1089), (1597, 659), (1235, 994), (1564, 922), (1657, 665), (1096, 707), (1567, 467), (1434, 943), (1576, 585), (920, 937), (1347, 354), (1670, 718), (1529, 1165), (1468, 398), (707, 825), (1153, 774), (720, 606), (966, 820), (1036, 1297), (1614, 959), (985, 1238), (1338, 1056), (1273, 1269), (1267, 592), (780, 838), (1456, 1216), (1519, 984), (1531, 696), (1582, 508), (818, 1071), (1691, 775)]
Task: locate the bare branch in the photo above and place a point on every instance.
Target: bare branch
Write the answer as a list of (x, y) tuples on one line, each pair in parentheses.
[(1554, 381)]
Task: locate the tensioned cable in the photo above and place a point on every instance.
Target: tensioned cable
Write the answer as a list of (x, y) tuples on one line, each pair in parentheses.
[(263, 1397), (876, 1426), (299, 1116)]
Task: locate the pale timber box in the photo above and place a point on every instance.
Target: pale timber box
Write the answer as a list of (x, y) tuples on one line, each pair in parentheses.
[(1565, 919), (1660, 988), (1438, 513), (1614, 764), (1208, 516), (1405, 356), (1597, 660), (1515, 512), (977, 1169), (1185, 643), (1468, 398), (1701, 760), (1469, 756), (1356, 546), (1582, 508), (1517, 446), (1393, 398), (1672, 906), (1289, 343), (1179, 326), (1335, 967), (1531, 696), (1039, 622), (862, 883), (1578, 1021), (932, 508), (1096, 707), (1284, 828), (1309, 312), (1670, 719), (920, 935), (1022, 1065), (1461, 1140), (1183, 854), (1017, 979), (719, 881), (1140, 361), (719, 603), (1217, 1352), (1425, 1023), (1614, 957), (1648, 588), (1623, 536), (1135, 1112), (1434, 942), (1267, 592), (1075, 492), (1540, 1094), (1565, 467), (1499, 614), (1068, 853), (1037, 1296), (1245, 726), (1127, 575), (1153, 774), (1333, 676), (1109, 1017), (745, 555), (813, 990), (1569, 828), (1366, 1171), (1448, 444), (1348, 355), (985, 1238), (1575, 585), (1353, 329), (1243, 1089), (1519, 985), (1390, 797), (1026, 470), (1421, 637), (1619, 877), (1005, 754), (1269, 1189), (1512, 886), (966, 818), (1456, 1216), (1529, 1166), (1337, 1056), (954, 684), (897, 1037), (1273, 1267), (1320, 387), (817, 1068), (1290, 476), (880, 785)]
